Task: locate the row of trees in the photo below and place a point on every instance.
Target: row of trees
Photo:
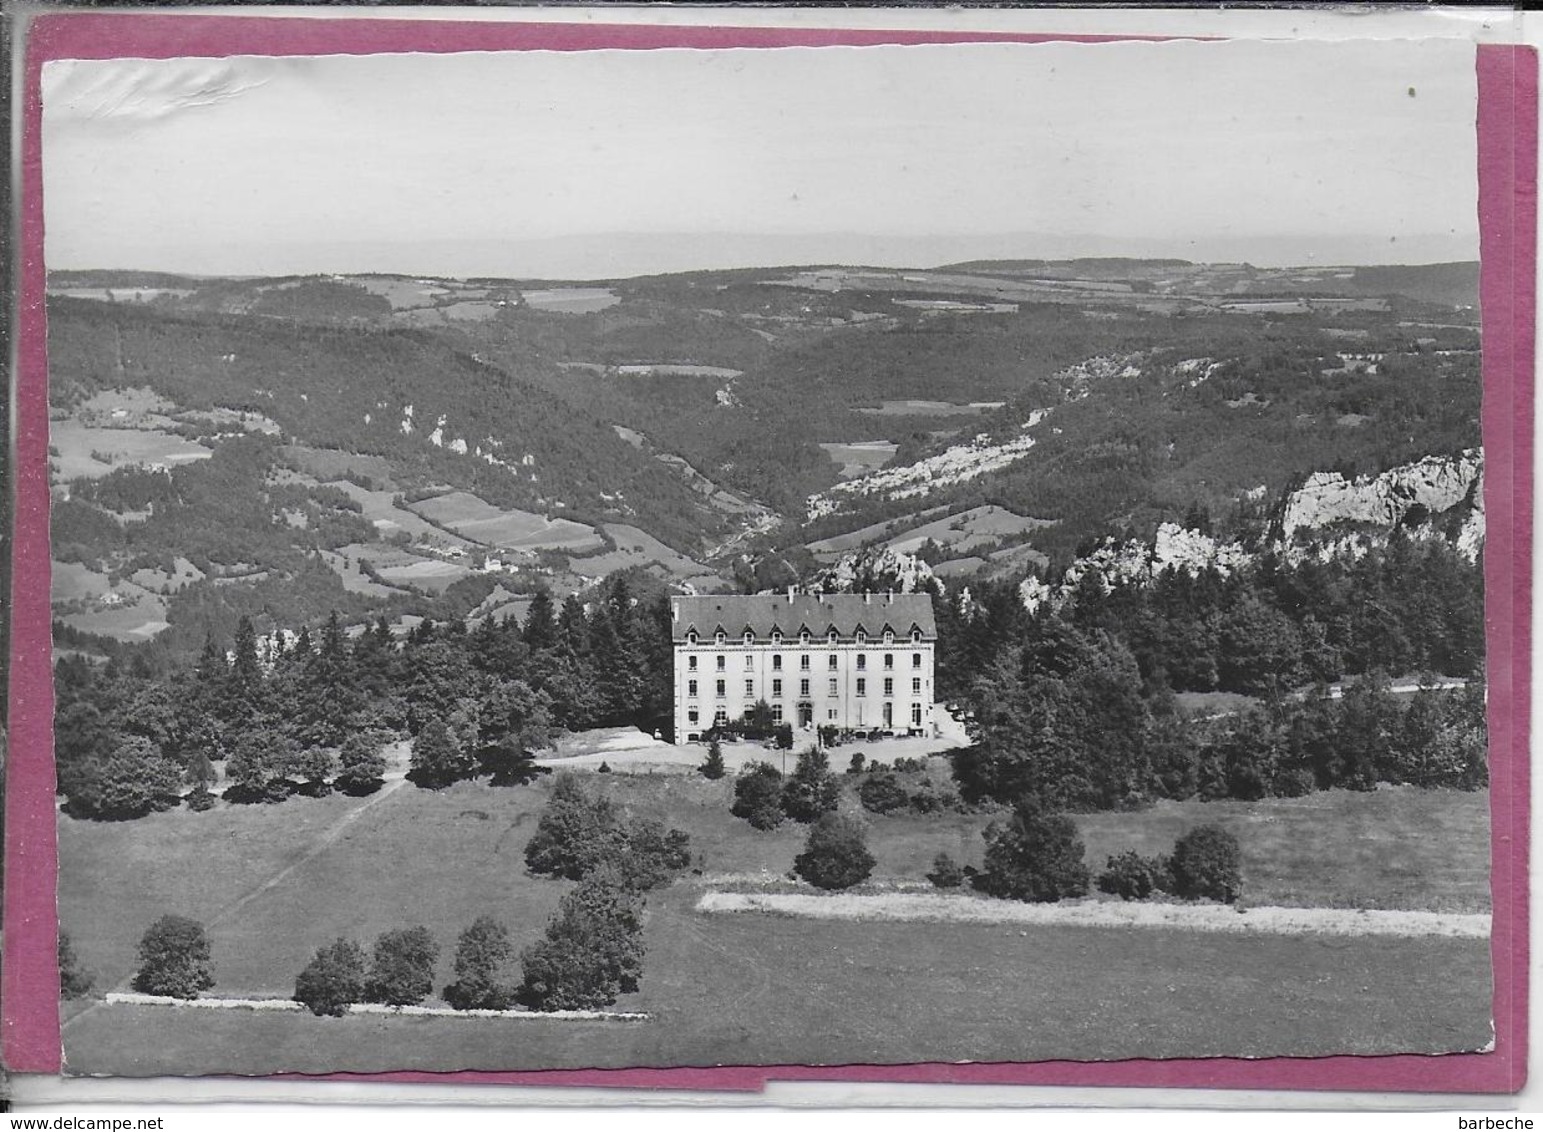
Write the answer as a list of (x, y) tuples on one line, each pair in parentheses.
[(1063, 716), (1409, 606), (286, 716)]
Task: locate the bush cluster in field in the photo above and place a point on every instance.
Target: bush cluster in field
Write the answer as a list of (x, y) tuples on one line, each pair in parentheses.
[(1204, 865), (1038, 856), (591, 952)]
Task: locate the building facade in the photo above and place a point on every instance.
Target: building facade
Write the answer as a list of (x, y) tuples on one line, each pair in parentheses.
[(858, 662)]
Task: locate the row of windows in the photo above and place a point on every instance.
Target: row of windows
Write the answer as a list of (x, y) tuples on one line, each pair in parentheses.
[(721, 716), (832, 662), (804, 637), (803, 687)]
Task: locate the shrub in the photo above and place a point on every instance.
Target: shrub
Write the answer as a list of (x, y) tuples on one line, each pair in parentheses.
[(652, 854), (258, 768), (811, 790), (74, 980), (439, 757), (591, 953), (783, 733), (200, 799), (402, 968), (1036, 857), (361, 763), (713, 768), (946, 872), (174, 959), (757, 796), (481, 957), (1130, 876), (835, 854), (333, 980), (314, 766), (1206, 865), (1295, 782), (133, 780), (604, 768), (930, 800), (882, 793), (855, 766), (576, 833)]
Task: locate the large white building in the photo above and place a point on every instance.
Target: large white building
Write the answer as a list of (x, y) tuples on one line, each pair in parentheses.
[(852, 661)]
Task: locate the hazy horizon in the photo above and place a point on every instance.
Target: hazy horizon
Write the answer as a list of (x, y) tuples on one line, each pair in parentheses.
[(770, 265), (613, 164)]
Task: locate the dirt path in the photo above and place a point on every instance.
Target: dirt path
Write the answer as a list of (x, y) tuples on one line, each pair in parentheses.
[(398, 756), (396, 778), (906, 906)]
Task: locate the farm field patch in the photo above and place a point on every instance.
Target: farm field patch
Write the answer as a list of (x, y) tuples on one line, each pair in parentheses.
[(93, 452), (672, 369), (913, 407), (861, 456), (383, 513), (87, 600), (968, 530), (570, 300), (479, 521), (636, 547)]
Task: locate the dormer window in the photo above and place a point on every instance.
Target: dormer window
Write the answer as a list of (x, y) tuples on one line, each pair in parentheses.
[(691, 637), (803, 637), (749, 637), (889, 636), (832, 636), (861, 636), (720, 636), (916, 636), (776, 637)]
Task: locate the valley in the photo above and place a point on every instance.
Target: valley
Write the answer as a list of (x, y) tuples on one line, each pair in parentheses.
[(406, 445)]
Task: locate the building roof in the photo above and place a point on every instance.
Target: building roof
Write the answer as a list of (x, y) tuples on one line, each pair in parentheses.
[(791, 613)]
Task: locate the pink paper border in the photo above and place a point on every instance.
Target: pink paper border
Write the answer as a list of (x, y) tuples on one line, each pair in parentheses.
[(1507, 135)]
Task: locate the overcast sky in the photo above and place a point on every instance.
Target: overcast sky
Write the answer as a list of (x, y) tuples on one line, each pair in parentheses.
[(595, 164)]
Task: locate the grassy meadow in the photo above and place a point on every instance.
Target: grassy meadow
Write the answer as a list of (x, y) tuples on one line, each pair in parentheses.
[(752, 989)]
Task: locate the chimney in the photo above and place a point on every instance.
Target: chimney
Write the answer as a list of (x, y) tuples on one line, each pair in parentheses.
[(889, 597), (865, 597), (790, 595)]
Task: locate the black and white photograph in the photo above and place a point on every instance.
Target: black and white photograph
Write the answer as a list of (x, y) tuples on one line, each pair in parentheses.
[(793, 556)]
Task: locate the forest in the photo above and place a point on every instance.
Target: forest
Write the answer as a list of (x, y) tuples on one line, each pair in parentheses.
[(1078, 708)]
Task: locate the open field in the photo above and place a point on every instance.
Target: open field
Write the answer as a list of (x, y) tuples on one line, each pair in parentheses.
[(570, 300), (386, 517), (960, 534), (861, 456), (967, 530), (672, 369), (334, 464), (472, 518), (636, 547), (94, 452), (354, 578), (86, 600), (915, 408), (769, 989)]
